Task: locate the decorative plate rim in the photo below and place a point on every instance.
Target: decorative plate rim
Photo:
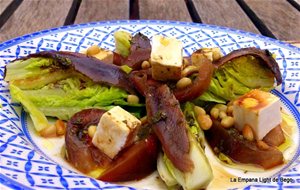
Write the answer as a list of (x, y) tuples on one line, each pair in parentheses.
[(40, 33), (18, 185)]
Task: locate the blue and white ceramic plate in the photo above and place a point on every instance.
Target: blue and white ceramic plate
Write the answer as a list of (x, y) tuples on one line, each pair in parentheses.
[(30, 162)]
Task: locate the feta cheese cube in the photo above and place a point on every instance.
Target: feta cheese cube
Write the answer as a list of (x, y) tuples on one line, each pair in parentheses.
[(166, 58), (260, 110), (115, 131)]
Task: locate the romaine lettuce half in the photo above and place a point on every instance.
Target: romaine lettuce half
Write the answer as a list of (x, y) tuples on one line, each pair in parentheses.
[(45, 88), (68, 96), (39, 119), (237, 77)]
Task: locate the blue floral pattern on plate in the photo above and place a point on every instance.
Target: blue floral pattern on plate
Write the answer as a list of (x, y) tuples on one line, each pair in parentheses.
[(25, 166)]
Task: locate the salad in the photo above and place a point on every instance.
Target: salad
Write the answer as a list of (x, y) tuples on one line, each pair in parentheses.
[(145, 107)]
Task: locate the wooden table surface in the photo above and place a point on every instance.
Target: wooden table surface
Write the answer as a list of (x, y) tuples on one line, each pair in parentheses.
[(278, 19)]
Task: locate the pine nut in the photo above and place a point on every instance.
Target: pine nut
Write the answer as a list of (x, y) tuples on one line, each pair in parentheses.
[(50, 131), (229, 110), (60, 127), (209, 55), (92, 130), (221, 107), (248, 133), (146, 65), (204, 121), (189, 70), (199, 111), (227, 121), (214, 112), (216, 53), (183, 82), (133, 99), (93, 50), (222, 114)]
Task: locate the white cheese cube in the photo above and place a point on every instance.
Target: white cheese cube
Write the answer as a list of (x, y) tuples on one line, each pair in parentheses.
[(115, 131), (166, 58), (260, 110)]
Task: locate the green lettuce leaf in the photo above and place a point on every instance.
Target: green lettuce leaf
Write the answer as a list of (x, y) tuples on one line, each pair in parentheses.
[(66, 97), (194, 128), (236, 78), (39, 119), (122, 41), (47, 89), (35, 73)]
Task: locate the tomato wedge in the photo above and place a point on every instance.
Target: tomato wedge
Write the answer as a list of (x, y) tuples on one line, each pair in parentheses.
[(136, 162)]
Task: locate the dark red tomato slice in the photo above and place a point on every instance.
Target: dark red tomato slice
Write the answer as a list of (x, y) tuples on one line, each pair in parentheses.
[(81, 153), (200, 83), (199, 86), (240, 150), (118, 59), (136, 162)]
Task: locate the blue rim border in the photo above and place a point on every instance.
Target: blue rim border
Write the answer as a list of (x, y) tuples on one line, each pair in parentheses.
[(13, 184), (290, 106)]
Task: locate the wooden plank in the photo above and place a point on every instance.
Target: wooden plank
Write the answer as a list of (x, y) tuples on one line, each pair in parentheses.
[(294, 43), (224, 13), (164, 10), (33, 16), (279, 16), (96, 10), (4, 4)]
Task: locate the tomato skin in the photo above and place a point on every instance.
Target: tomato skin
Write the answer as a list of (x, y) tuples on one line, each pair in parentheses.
[(134, 163), (199, 86), (82, 154), (118, 59)]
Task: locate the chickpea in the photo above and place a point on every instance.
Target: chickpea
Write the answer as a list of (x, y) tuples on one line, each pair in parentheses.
[(93, 50), (204, 121), (146, 65), (222, 114), (183, 82), (248, 133), (214, 112), (227, 121), (92, 130), (60, 127), (189, 70), (262, 145), (133, 99), (221, 107), (199, 111), (50, 131)]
